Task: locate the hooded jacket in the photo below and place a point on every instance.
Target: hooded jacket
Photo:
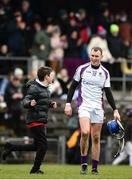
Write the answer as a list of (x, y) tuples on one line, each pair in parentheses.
[(41, 94)]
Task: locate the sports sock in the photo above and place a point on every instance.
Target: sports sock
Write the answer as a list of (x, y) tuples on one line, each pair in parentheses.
[(84, 159), (94, 164)]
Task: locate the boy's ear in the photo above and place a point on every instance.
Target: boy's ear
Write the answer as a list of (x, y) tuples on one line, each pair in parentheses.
[(46, 77)]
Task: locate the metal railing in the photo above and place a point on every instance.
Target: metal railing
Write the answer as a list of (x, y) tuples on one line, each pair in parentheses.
[(28, 63), (59, 149)]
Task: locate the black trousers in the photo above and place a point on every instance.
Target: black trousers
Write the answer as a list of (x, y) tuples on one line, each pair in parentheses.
[(39, 145)]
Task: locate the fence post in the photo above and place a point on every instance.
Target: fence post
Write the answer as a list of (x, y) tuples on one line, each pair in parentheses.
[(62, 149), (30, 65), (123, 85), (108, 150)]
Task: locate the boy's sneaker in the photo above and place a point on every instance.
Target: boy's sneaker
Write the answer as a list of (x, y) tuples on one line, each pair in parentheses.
[(7, 150), (36, 171), (94, 171), (84, 168)]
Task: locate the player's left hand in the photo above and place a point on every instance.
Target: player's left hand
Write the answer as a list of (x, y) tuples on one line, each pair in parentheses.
[(117, 115)]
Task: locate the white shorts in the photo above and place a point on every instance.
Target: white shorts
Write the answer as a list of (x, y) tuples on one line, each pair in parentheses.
[(94, 115)]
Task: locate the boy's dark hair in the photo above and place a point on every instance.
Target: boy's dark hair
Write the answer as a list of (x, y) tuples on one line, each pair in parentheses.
[(43, 71), (97, 49)]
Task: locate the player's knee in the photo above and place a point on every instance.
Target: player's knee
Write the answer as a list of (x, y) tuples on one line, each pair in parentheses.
[(85, 135), (96, 139)]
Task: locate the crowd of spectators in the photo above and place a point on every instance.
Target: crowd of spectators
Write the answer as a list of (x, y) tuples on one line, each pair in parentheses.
[(23, 32)]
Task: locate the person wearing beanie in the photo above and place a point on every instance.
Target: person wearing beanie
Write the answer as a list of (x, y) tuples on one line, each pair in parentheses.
[(114, 41), (117, 50), (100, 40)]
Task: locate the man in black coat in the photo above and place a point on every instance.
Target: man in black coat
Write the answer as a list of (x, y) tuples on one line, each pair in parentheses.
[(38, 102)]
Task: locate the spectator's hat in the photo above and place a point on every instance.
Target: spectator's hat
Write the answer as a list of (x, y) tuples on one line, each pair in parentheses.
[(101, 31), (114, 28), (18, 71)]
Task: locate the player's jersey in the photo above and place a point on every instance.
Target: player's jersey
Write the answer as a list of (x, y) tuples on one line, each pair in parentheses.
[(92, 81)]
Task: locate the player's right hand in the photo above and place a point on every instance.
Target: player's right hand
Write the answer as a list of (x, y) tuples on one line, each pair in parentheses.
[(68, 109), (33, 102)]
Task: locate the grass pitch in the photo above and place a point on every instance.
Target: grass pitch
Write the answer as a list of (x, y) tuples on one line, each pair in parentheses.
[(64, 172)]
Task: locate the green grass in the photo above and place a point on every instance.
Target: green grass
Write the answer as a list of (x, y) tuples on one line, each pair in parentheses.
[(64, 172)]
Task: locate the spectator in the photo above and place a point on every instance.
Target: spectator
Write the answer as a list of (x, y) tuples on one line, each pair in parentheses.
[(116, 48), (27, 12), (57, 51), (127, 151), (3, 24), (13, 96), (125, 28), (129, 53), (64, 81), (41, 45), (85, 32), (114, 41), (18, 73), (100, 40), (73, 38), (55, 87), (63, 21), (4, 84), (103, 18), (4, 51), (32, 75), (7, 8), (17, 35)]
